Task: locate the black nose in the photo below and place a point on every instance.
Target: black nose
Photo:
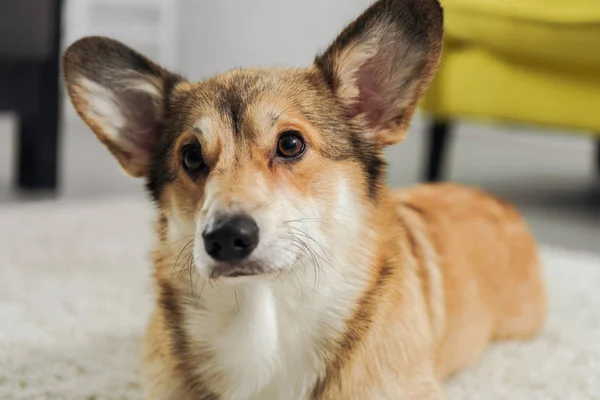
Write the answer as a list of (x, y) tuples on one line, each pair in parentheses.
[(231, 238)]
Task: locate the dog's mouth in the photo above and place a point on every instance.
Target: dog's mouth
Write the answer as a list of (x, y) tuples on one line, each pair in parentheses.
[(238, 270), (235, 274)]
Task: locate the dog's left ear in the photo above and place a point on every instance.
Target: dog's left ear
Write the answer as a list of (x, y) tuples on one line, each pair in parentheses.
[(381, 64)]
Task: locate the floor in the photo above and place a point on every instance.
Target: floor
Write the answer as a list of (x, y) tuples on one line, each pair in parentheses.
[(548, 175), (71, 305)]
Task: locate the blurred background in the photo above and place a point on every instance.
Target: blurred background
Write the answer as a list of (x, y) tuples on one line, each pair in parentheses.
[(515, 108)]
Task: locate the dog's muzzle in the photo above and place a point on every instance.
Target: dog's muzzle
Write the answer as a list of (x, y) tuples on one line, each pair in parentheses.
[(229, 241)]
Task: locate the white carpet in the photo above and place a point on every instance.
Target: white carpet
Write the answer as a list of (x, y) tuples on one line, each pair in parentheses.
[(75, 294)]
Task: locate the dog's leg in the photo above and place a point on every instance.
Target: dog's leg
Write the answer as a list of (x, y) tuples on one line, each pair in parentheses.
[(430, 389), (159, 367)]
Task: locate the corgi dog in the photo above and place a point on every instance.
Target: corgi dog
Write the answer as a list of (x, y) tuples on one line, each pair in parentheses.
[(284, 266)]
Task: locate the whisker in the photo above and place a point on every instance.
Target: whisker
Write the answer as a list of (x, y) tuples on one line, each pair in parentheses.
[(201, 291), (189, 268), (321, 246), (315, 219), (236, 300), (324, 249), (314, 260), (315, 254), (212, 283), (302, 248), (173, 269), (176, 241)]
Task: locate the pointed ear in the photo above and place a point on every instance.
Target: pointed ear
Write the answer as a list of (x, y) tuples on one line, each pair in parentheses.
[(381, 64), (121, 95)]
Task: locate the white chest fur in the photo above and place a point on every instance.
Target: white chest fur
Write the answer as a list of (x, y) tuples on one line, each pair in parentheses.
[(268, 339)]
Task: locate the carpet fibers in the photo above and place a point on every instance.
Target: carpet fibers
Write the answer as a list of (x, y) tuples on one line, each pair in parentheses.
[(75, 296)]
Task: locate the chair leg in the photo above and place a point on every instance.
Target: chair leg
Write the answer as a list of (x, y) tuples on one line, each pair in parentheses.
[(38, 142), (439, 136), (598, 157)]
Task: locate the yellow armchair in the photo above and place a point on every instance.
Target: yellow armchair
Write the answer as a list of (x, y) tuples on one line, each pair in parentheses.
[(529, 61)]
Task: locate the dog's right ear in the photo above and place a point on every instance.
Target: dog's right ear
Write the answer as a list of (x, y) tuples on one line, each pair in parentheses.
[(120, 94)]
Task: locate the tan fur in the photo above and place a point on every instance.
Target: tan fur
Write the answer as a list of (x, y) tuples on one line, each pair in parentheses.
[(490, 266), (492, 284), (406, 287)]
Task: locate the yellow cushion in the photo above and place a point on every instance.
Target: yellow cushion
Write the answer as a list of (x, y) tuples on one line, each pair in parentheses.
[(551, 11), (473, 82), (559, 33)]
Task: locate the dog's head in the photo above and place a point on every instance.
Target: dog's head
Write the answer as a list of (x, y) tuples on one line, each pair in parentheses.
[(262, 166)]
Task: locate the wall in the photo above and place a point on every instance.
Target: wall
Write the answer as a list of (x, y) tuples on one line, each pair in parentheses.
[(216, 35)]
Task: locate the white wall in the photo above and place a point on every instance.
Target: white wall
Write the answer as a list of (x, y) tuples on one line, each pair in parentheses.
[(216, 35), (211, 36)]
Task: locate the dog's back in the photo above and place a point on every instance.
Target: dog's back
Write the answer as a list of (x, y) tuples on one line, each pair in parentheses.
[(464, 272), (488, 259)]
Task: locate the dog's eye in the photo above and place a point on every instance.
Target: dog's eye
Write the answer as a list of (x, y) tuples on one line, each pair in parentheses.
[(191, 157), (290, 145)]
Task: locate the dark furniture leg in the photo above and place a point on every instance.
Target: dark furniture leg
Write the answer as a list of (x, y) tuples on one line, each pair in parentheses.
[(38, 136), (598, 157), (38, 140), (439, 136)]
